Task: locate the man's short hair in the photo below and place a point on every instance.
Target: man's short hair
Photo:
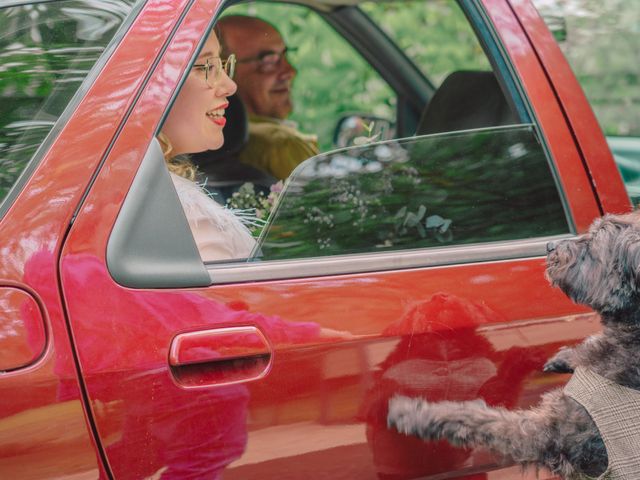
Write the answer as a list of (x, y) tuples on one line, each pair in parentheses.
[(237, 20)]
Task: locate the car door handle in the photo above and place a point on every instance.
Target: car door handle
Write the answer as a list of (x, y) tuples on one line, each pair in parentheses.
[(219, 356)]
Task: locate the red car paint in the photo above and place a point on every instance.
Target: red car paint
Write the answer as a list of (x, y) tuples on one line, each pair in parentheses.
[(100, 383)]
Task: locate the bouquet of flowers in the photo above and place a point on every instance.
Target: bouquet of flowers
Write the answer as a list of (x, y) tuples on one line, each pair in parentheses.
[(254, 206)]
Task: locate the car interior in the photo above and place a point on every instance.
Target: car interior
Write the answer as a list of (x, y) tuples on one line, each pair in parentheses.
[(445, 123), (465, 99)]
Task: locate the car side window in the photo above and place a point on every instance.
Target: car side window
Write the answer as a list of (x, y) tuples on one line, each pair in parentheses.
[(473, 186), (46, 52), (447, 41), (332, 77)]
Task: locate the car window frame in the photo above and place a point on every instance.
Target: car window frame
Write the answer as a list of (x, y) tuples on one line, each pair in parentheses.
[(238, 271), (234, 272)]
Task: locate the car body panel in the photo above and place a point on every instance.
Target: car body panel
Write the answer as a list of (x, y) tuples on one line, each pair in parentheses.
[(304, 393), (23, 337)]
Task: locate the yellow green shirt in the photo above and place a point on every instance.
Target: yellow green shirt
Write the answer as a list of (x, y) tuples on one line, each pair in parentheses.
[(276, 147)]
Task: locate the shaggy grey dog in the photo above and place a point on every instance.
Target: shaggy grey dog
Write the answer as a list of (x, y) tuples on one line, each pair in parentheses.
[(600, 269)]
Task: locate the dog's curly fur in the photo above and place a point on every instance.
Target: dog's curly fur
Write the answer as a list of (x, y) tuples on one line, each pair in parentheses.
[(600, 269)]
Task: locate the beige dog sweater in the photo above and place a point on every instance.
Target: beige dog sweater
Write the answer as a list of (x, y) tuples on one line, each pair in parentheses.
[(616, 412)]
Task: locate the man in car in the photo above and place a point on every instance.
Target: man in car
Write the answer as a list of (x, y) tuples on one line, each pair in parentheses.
[(264, 77)]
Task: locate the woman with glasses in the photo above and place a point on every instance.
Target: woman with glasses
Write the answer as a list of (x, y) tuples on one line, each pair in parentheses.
[(193, 125)]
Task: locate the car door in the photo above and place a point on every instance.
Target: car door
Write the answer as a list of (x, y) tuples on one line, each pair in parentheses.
[(281, 366)]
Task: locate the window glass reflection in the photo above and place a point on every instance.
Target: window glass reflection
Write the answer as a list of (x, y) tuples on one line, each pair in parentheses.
[(46, 51), (465, 187)]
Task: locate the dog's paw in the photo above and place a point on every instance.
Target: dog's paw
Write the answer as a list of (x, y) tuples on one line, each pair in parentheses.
[(411, 416), (403, 414), (561, 362)]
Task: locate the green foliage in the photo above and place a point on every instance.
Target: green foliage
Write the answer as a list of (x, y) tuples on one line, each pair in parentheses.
[(435, 35), (253, 206)]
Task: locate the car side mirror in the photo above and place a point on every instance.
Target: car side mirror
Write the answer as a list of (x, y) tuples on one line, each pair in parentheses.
[(362, 128)]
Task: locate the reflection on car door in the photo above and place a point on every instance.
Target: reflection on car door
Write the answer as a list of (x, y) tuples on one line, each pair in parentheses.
[(290, 375)]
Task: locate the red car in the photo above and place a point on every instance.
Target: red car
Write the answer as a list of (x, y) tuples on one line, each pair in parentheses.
[(413, 264)]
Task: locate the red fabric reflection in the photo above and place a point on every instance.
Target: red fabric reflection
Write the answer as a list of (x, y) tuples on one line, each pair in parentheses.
[(148, 423), (440, 356)]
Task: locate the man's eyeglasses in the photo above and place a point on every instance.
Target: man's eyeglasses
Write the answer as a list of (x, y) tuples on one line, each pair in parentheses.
[(269, 60), (214, 66)]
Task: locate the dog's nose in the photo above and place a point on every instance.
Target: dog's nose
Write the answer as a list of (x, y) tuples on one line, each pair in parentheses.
[(551, 246)]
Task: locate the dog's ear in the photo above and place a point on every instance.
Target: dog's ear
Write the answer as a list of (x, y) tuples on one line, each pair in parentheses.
[(632, 240), (631, 260)]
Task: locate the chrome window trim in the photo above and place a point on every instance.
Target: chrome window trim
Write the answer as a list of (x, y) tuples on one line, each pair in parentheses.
[(380, 261)]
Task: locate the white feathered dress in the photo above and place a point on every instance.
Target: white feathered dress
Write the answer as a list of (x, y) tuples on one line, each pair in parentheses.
[(218, 232)]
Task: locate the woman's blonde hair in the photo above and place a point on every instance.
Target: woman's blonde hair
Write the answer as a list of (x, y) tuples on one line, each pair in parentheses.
[(181, 165)]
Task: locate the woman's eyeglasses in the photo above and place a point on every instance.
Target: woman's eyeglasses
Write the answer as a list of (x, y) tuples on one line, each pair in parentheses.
[(269, 60), (217, 64)]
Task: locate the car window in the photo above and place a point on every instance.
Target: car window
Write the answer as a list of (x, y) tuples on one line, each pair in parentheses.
[(476, 171), (46, 51), (600, 40), (469, 187)]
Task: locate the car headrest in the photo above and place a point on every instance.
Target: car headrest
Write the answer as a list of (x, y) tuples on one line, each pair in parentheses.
[(236, 135), (466, 100)]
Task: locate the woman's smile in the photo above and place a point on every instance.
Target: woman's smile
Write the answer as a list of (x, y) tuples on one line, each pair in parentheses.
[(216, 115)]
